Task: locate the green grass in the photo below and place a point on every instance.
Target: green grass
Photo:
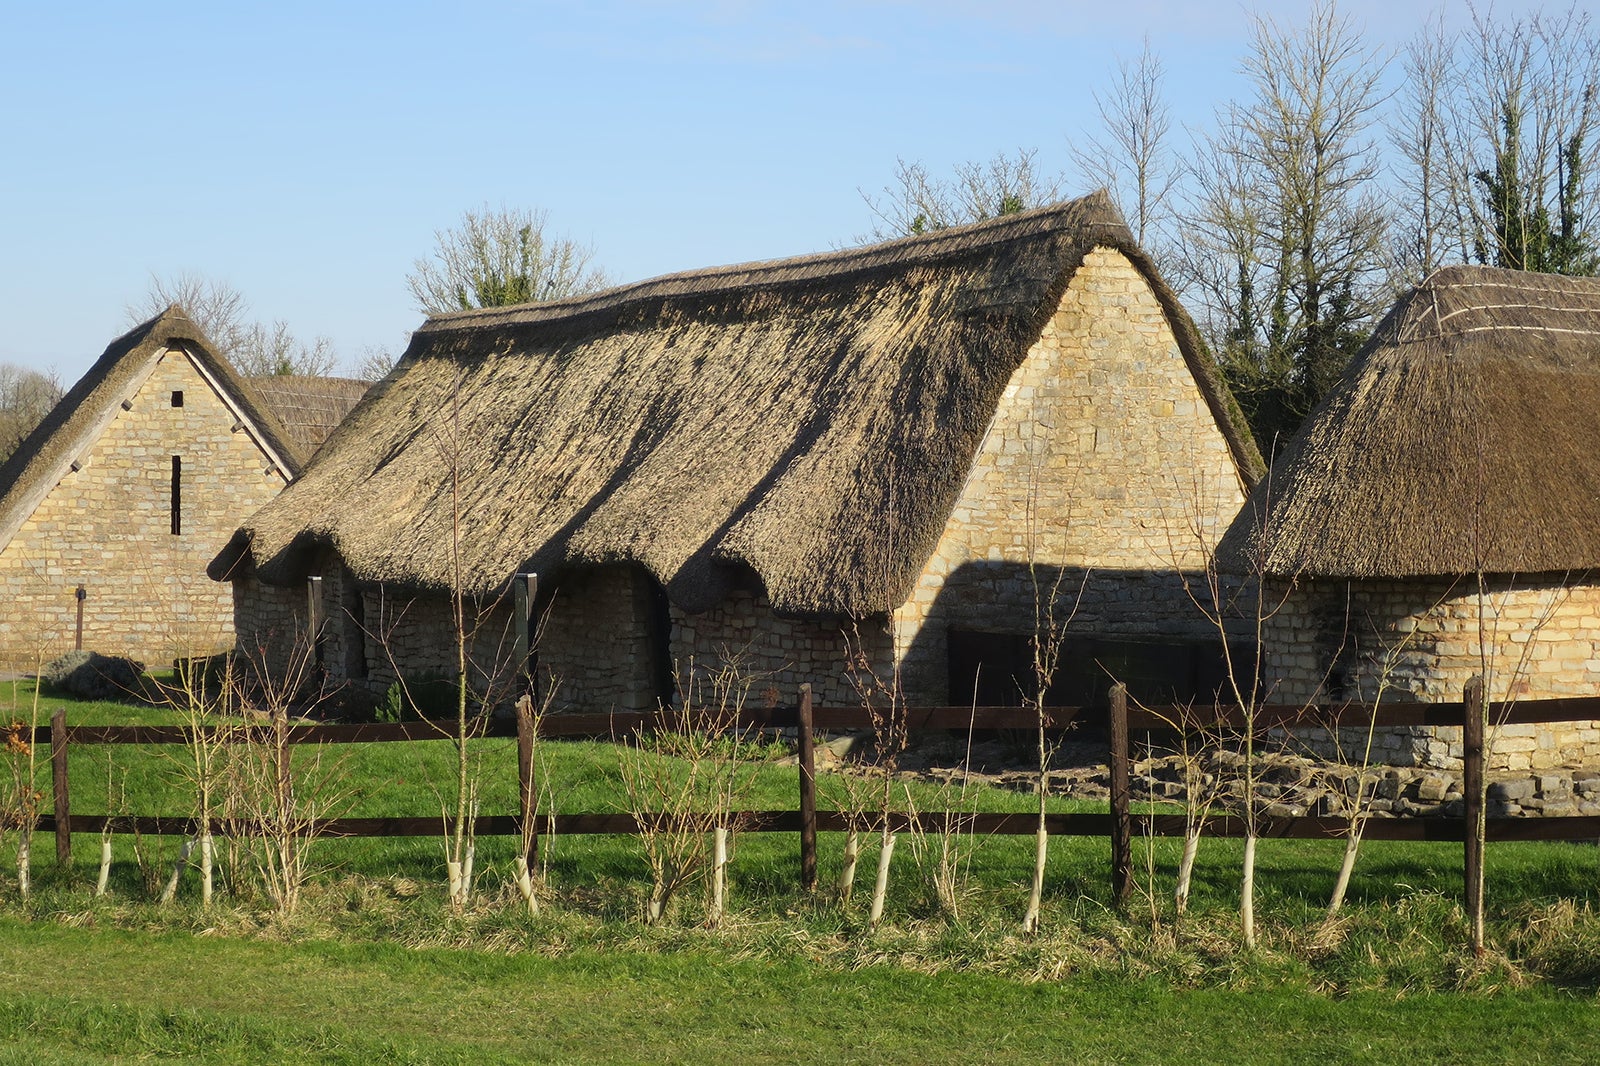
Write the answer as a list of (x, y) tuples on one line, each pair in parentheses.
[(69, 993), (376, 967)]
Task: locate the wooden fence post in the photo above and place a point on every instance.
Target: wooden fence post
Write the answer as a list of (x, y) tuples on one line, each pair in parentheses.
[(314, 613), (807, 754), (1121, 822), (63, 800), (1474, 727), (527, 806), (525, 649)]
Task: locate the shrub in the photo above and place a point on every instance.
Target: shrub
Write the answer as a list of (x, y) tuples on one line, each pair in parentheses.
[(89, 675), (428, 695)]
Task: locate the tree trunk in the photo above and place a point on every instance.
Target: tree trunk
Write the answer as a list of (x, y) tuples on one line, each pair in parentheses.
[(1247, 891), (719, 874), (852, 855), (170, 893), (1191, 848), (1041, 850), (105, 866), (880, 888), (1352, 845)]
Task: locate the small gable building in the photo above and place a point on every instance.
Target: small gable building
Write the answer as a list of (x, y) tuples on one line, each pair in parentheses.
[(111, 509)]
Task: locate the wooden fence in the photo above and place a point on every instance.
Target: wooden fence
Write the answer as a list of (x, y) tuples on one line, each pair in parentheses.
[(1119, 825)]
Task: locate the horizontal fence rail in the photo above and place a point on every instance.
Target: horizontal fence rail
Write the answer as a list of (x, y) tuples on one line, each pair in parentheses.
[(1119, 825), (988, 823), (1143, 719)]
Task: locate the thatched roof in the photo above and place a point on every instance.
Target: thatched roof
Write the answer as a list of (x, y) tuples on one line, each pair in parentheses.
[(1464, 436), (812, 419), (309, 407), (47, 454)]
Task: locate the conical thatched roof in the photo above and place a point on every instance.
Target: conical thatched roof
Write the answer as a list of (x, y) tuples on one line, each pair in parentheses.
[(1464, 436), (812, 419), (44, 458), (309, 407)]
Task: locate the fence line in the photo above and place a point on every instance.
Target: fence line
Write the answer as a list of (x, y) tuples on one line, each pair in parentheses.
[(1120, 825)]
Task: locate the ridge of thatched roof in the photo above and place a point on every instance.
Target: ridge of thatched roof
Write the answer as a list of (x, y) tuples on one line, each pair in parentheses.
[(1462, 438), (72, 426), (810, 419), (308, 407)]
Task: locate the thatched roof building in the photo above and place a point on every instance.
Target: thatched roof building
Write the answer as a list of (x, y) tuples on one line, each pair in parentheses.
[(74, 424), (309, 408), (1461, 439), (810, 419), (111, 508)]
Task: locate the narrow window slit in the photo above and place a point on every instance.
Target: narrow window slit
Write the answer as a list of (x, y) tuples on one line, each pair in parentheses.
[(177, 495)]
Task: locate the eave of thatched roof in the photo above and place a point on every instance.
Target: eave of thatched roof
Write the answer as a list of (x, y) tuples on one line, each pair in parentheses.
[(1461, 439), (45, 457), (309, 408), (811, 419)]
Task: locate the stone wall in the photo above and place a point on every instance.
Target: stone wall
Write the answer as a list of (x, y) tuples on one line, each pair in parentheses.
[(1102, 457), (776, 655), (1422, 640), (601, 647), (108, 527)]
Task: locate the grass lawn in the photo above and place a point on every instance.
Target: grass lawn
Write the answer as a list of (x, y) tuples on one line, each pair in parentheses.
[(69, 995), (376, 967)]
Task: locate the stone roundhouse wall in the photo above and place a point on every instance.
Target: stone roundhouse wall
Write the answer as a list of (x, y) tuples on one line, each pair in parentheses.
[(1422, 640)]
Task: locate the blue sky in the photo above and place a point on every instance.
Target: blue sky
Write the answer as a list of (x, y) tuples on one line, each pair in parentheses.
[(305, 153)]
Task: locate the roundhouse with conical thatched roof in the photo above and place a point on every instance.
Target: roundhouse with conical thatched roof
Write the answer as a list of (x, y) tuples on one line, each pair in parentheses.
[(872, 457), (1438, 515), (125, 491)]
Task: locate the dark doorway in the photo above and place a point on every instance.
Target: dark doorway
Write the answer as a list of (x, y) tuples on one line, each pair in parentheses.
[(996, 670)]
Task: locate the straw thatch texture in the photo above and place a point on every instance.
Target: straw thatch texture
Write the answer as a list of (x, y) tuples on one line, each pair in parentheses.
[(812, 419), (1462, 438), (309, 407), (71, 426)]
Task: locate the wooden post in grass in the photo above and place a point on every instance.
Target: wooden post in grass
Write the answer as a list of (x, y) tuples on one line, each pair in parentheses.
[(527, 808), (807, 754), (63, 802), (1474, 726), (1121, 821)]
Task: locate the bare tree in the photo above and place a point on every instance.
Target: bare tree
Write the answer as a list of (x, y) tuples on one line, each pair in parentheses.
[(219, 309), (499, 258), (1286, 192), (26, 396), (265, 351), (255, 349), (375, 363), (1429, 222), (918, 202), (1525, 146), (1133, 160)]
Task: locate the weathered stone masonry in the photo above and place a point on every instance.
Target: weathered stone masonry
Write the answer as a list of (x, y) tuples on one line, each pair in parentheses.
[(1532, 638), (1103, 457), (108, 527)]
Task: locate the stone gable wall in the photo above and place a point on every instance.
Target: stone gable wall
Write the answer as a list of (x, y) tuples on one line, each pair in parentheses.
[(1422, 640), (1102, 457), (107, 526)]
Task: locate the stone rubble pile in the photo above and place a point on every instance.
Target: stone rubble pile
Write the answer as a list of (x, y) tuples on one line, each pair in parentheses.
[(1290, 785)]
